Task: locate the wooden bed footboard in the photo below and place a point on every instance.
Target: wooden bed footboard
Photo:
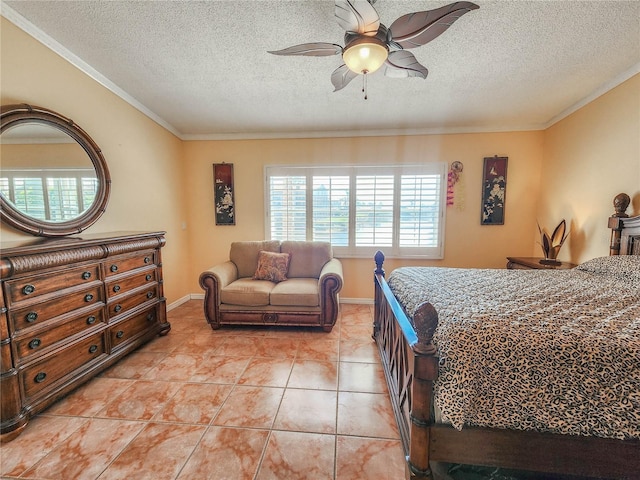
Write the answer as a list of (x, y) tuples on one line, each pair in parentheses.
[(410, 364)]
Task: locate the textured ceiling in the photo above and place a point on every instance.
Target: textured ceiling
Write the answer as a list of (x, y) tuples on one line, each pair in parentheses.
[(201, 68)]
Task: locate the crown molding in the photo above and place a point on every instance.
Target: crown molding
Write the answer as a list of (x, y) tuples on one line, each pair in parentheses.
[(620, 79), (22, 23)]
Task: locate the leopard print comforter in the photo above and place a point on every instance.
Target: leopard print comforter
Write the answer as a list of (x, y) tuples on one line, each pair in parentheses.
[(555, 351)]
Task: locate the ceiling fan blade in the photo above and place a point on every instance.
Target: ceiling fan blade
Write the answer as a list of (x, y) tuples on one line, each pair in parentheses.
[(418, 28), (316, 49), (341, 77), (357, 16), (403, 64)]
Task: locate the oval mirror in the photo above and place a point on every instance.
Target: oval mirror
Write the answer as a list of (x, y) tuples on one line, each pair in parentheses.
[(54, 180)]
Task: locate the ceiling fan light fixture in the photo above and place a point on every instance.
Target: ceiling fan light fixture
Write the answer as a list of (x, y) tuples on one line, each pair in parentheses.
[(365, 55)]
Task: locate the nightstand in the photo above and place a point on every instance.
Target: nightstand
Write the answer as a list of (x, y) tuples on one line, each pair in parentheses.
[(533, 263)]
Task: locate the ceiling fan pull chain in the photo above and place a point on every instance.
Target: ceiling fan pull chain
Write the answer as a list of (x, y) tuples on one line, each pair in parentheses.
[(364, 84)]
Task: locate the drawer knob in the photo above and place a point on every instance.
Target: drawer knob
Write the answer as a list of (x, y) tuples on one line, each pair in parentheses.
[(116, 288), (28, 289), (86, 275), (149, 317), (93, 348), (35, 343), (31, 317), (39, 378), (117, 308), (148, 277), (147, 259), (114, 268), (149, 294), (119, 334), (91, 320), (88, 297)]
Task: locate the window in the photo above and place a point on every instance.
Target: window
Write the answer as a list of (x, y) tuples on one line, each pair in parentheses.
[(51, 195), (359, 209)]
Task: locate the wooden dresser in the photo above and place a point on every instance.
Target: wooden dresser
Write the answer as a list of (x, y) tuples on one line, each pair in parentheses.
[(69, 309)]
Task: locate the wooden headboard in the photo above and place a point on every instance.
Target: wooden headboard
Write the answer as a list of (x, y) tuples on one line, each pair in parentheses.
[(625, 230)]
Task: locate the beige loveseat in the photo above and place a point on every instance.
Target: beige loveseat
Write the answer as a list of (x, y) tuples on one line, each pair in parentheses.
[(274, 283)]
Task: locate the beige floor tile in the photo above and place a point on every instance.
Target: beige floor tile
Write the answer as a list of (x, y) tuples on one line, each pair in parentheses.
[(366, 415), (41, 435), (314, 374), (175, 367), (294, 455), (237, 345), (364, 350), (226, 454), (356, 332), (267, 372), (318, 349), (233, 403), (361, 377), (220, 369), (249, 406), (90, 398), (363, 458), (307, 411), (135, 366), (205, 343), (277, 347), (141, 401), (194, 403), (166, 343), (158, 452), (87, 452)]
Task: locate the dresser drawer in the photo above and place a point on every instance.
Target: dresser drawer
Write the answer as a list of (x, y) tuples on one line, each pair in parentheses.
[(21, 318), (54, 367), (132, 327), (118, 265), (123, 285), (121, 305), (28, 288), (41, 340)]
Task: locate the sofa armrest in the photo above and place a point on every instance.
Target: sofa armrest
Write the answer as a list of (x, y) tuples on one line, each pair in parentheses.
[(332, 268), (329, 284), (224, 274), (212, 281)]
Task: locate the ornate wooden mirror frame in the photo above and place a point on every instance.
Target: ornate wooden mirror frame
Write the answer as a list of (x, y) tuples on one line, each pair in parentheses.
[(14, 115)]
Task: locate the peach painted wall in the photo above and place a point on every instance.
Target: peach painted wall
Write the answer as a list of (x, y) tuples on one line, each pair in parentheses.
[(467, 243), (144, 159), (67, 155), (589, 157)]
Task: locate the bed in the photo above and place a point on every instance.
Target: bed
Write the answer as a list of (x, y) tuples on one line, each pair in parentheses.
[(535, 370)]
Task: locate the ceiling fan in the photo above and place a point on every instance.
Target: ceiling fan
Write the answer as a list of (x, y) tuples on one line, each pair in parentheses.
[(369, 44)]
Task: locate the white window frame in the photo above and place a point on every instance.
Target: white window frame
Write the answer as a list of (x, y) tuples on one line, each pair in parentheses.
[(437, 169), (68, 210)]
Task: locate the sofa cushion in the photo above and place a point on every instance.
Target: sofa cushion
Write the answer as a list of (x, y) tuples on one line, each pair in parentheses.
[(248, 292), (306, 258), (272, 266), (245, 255), (300, 292)]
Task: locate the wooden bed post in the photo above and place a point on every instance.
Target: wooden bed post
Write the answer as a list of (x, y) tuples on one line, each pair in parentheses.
[(620, 204), (424, 374), (377, 301)]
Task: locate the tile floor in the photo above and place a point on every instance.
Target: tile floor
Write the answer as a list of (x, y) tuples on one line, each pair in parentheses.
[(237, 403)]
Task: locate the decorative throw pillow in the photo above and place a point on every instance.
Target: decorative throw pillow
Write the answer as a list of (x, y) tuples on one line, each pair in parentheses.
[(272, 266)]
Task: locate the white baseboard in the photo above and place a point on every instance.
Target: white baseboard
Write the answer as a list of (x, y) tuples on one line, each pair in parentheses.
[(200, 296), (179, 302), (357, 301)]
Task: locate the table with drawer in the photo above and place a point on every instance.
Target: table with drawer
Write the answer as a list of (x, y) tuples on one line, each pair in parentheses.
[(69, 308)]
